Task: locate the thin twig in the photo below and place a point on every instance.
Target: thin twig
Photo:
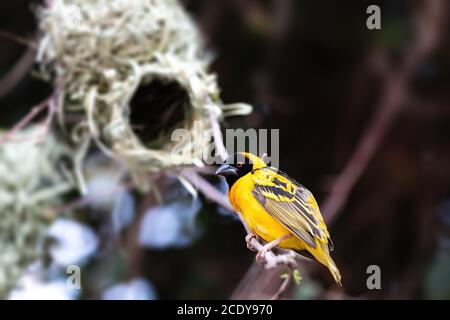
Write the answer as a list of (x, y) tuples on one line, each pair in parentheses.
[(217, 135), (49, 103), (208, 190), (25, 120), (52, 108), (272, 260), (284, 286), (23, 64), (18, 39), (17, 72)]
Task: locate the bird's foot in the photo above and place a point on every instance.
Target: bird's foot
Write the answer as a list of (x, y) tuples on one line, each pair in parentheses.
[(249, 239), (261, 256)]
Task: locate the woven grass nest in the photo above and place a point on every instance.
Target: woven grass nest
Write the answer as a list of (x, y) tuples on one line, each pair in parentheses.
[(131, 72)]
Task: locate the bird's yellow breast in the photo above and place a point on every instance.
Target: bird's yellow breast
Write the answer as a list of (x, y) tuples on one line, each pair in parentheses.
[(256, 217)]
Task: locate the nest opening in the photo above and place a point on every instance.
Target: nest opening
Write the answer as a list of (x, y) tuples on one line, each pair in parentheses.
[(156, 108), (158, 60)]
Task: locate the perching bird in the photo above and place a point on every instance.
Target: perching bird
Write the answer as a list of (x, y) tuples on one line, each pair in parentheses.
[(276, 208)]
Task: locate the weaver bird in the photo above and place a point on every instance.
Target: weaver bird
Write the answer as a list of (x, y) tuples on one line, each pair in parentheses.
[(277, 209)]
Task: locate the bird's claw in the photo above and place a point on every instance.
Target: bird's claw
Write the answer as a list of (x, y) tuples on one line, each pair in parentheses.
[(248, 238), (261, 257)]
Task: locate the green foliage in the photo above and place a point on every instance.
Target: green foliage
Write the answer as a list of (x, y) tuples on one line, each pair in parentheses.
[(295, 276)]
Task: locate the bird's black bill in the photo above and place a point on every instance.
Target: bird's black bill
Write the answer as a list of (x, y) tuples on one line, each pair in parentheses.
[(226, 170)]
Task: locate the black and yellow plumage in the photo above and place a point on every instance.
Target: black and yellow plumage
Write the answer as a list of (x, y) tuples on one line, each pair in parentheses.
[(276, 207)]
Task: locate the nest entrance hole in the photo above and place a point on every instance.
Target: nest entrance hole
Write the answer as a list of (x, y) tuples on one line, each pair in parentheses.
[(157, 108)]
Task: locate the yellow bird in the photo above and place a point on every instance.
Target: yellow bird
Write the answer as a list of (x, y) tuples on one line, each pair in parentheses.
[(277, 209)]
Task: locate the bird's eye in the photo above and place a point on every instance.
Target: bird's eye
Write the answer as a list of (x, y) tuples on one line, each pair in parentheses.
[(239, 164)]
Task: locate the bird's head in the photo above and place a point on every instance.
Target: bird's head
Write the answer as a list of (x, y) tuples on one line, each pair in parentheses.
[(238, 165)]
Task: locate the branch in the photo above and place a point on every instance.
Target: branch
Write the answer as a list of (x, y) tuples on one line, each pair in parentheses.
[(208, 190), (52, 107), (19, 39), (218, 137), (284, 286), (25, 120), (21, 67), (49, 103), (17, 72)]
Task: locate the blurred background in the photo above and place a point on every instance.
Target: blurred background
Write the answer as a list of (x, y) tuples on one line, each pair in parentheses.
[(364, 121)]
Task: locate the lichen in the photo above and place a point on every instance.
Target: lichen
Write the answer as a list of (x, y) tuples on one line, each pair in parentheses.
[(31, 187)]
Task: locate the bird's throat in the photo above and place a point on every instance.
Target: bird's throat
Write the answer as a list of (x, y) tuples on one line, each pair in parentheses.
[(231, 180)]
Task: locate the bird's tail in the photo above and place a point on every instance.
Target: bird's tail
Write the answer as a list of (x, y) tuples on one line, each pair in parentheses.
[(334, 270), (323, 256)]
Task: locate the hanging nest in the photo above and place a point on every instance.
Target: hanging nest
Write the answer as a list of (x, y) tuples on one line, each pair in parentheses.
[(132, 71), (32, 184)]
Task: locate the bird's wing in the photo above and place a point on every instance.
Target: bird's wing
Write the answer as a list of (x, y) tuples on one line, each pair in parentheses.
[(291, 204)]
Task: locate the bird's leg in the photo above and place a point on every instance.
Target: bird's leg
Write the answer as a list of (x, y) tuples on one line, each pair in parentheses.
[(261, 255), (249, 238)]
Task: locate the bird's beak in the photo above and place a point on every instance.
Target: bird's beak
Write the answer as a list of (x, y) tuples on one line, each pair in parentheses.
[(226, 170)]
